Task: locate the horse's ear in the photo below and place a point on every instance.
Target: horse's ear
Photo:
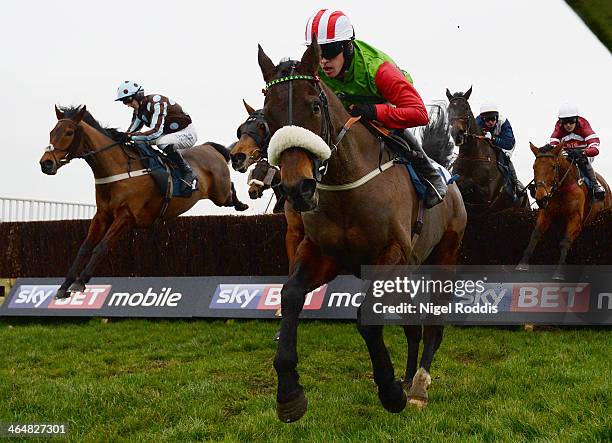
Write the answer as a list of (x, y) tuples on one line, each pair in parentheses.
[(80, 114), (248, 108), (59, 113), (468, 93), (534, 149), (311, 58), (265, 64), (449, 95)]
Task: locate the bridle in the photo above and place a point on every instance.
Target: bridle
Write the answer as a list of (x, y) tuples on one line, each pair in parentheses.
[(250, 128), (74, 145), (556, 182), (319, 166)]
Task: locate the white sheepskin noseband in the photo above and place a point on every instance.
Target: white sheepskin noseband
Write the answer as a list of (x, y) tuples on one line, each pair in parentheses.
[(296, 137)]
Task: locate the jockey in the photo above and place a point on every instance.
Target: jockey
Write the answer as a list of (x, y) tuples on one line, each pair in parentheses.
[(581, 143), (370, 85), (171, 127), (498, 131)]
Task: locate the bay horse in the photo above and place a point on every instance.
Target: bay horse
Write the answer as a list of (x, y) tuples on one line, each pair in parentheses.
[(561, 194), (252, 148), (480, 180), (345, 229), (128, 198)]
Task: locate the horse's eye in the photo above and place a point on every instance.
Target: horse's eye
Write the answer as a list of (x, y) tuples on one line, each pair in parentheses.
[(69, 133), (316, 107)]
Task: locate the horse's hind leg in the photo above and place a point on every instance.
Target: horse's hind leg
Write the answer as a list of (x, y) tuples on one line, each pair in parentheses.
[(572, 230), (97, 229), (413, 335), (122, 223), (542, 224), (444, 255)]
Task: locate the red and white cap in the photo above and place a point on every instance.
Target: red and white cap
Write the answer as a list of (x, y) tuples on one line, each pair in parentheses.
[(329, 26)]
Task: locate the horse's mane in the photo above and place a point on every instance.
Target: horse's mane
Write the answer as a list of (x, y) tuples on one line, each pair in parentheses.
[(546, 148), (220, 149), (436, 137), (112, 133)]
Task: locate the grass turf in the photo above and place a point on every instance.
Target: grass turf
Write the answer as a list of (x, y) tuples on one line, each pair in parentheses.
[(142, 380)]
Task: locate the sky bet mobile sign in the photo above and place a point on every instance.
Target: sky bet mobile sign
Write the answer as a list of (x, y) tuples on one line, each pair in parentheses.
[(478, 295)]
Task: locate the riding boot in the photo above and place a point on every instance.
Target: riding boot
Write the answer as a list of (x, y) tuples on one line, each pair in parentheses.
[(587, 169), (436, 184), (517, 186), (188, 177)]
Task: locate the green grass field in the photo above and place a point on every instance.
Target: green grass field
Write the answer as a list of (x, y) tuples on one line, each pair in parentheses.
[(140, 380)]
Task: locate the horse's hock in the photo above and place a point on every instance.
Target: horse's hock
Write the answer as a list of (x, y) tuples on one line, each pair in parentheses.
[(254, 245)]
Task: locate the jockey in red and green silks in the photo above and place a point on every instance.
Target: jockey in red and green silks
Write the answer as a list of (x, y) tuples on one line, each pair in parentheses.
[(371, 86)]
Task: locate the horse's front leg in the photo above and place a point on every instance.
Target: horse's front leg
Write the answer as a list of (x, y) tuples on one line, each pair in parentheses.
[(542, 225), (312, 269), (97, 228), (572, 230), (390, 390), (122, 223)]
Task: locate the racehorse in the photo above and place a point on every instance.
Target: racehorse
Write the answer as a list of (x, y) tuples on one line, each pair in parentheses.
[(367, 224), (126, 195), (480, 180), (561, 193), (252, 147)]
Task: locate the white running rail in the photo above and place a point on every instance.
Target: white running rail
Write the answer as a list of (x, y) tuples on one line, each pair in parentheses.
[(17, 209)]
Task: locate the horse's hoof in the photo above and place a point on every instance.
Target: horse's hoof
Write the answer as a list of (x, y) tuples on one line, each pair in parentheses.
[(393, 399), (62, 293), (292, 410), (559, 276), (239, 206), (524, 267), (77, 286), (418, 391)]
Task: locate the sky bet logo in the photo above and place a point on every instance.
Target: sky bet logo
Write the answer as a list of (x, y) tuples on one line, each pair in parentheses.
[(253, 296), (43, 296)]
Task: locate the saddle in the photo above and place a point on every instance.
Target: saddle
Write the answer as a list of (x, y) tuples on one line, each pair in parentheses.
[(165, 174)]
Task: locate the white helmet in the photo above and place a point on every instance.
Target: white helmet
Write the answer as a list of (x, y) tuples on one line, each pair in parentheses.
[(128, 88), (329, 26), (488, 107), (568, 110)]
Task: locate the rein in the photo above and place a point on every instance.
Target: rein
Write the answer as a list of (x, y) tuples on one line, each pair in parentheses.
[(320, 167), (76, 142), (557, 183)]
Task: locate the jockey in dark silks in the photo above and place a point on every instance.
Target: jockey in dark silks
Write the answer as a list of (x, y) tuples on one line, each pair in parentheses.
[(370, 85), (171, 127), (498, 130)]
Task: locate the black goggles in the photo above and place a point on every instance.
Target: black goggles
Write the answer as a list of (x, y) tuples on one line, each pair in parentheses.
[(126, 100), (568, 120), (490, 117), (331, 50)]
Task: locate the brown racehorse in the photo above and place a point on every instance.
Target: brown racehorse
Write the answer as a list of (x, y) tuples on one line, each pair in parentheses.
[(561, 194), (252, 147), (480, 180), (129, 202), (367, 225)]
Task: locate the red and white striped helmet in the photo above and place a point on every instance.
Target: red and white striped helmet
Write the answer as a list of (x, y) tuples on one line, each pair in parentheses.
[(329, 26)]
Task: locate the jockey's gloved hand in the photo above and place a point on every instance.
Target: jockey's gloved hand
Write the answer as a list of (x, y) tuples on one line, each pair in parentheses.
[(366, 111), (488, 135), (575, 153), (126, 138)]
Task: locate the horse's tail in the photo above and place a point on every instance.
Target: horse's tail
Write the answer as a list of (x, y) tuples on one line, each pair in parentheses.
[(436, 139), (220, 149)]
